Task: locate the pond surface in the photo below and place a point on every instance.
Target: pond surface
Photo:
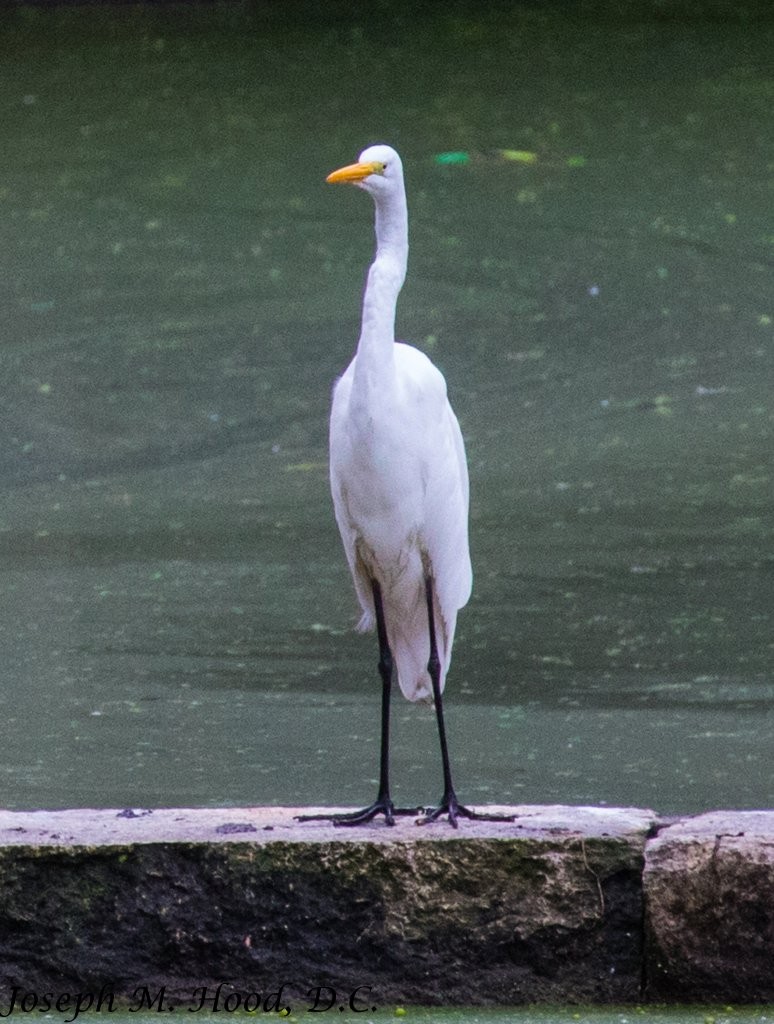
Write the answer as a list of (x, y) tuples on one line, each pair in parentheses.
[(593, 272), (467, 1015), (589, 1015)]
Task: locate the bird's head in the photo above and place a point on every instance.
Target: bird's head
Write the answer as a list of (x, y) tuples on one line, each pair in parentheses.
[(378, 170)]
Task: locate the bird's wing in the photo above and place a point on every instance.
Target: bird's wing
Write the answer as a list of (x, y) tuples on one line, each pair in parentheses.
[(444, 531), (415, 442), (347, 531), (446, 525)]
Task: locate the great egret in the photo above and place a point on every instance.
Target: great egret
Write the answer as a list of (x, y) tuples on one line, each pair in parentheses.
[(400, 490)]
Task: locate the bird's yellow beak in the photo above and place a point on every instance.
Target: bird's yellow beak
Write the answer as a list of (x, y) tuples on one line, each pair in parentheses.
[(355, 173)]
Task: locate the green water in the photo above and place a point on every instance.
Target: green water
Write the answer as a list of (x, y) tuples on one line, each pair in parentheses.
[(525, 1015), (586, 1015), (180, 291)]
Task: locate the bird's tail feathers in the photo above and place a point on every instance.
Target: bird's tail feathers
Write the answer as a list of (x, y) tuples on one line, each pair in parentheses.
[(366, 623), (409, 643), (411, 650), (413, 677), (411, 654)]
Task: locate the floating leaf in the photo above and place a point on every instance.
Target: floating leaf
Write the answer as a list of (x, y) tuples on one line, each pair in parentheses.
[(519, 156), (456, 157)]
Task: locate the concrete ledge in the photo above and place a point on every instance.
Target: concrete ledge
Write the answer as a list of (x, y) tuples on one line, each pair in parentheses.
[(565, 904), (709, 891)]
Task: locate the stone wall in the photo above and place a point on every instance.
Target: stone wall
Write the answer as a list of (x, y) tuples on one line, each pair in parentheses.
[(576, 904)]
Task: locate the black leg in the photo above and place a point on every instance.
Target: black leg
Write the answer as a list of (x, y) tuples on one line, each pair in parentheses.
[(449, 804), (383, 803)]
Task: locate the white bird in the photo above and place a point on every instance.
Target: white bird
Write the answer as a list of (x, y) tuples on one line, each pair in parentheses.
[(399, 482)]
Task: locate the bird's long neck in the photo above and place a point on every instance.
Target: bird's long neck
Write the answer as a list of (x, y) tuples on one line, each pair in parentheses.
[(375, 351)]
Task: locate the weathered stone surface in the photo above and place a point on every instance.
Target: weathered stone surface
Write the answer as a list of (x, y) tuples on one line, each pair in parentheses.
[(546, 908), (709, 891)]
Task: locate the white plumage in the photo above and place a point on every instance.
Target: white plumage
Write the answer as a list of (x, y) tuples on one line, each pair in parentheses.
[(400, 492), (400, 488)]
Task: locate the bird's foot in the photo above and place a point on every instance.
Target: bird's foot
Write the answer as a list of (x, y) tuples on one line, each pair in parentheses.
[(382, 805), (451, 807)]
